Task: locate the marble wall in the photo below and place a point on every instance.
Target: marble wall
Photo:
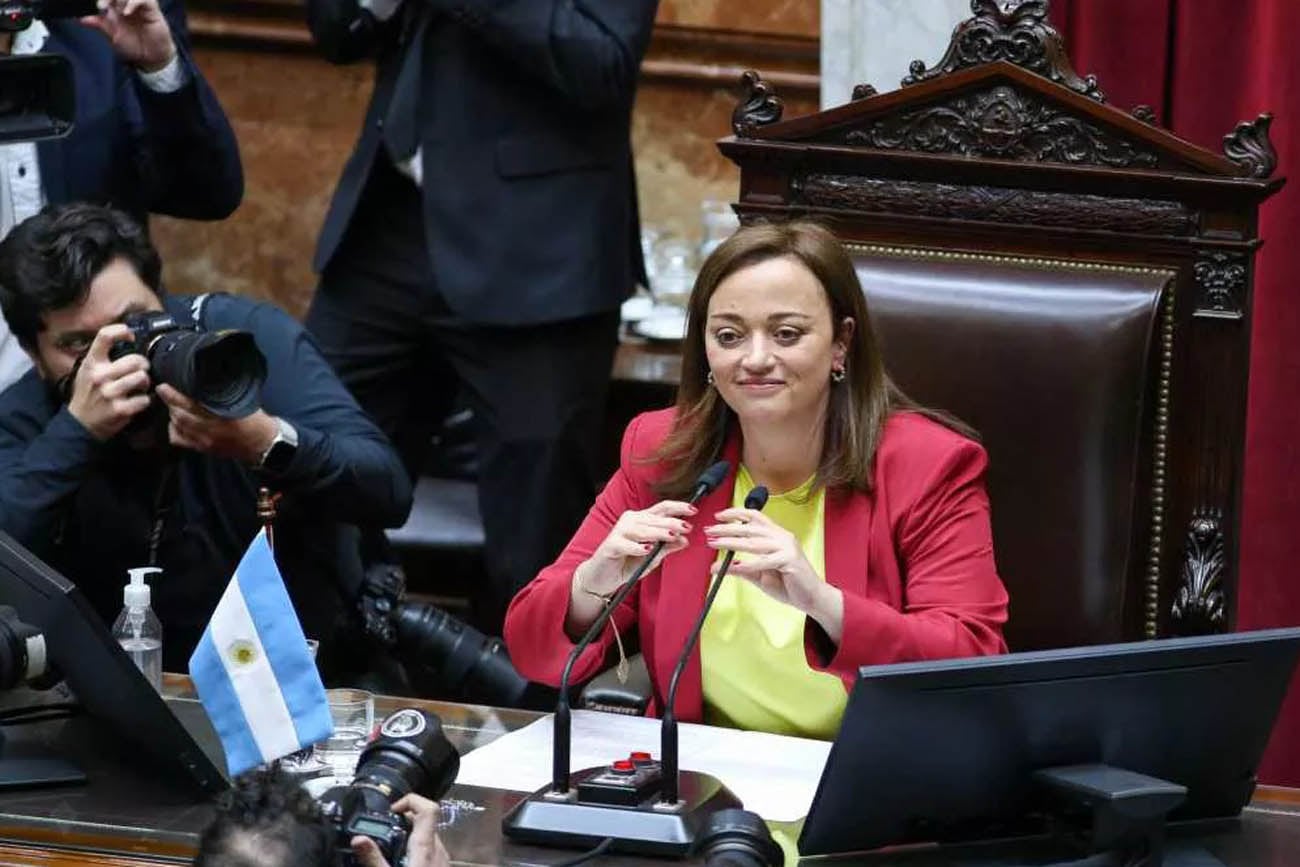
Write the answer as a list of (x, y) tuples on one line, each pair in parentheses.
[(296, 118), (873, 41)]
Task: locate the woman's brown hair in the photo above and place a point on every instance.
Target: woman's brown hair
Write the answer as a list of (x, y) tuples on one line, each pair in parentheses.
[(858, 406)]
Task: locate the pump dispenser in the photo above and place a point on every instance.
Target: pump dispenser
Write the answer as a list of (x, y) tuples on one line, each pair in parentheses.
[(137, 628)]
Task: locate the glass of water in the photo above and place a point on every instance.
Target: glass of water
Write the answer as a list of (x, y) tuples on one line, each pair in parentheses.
[(353, 714)]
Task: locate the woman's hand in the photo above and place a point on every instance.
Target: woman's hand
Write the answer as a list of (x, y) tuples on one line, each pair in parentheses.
[(629, 541), (769, 556)]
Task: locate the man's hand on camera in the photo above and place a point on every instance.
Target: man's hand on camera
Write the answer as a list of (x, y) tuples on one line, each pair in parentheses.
[(193, 427), (137, 30), (107, 394), (423, 849)]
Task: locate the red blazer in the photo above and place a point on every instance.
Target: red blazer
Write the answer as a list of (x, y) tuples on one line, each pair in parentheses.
[(914, 559)]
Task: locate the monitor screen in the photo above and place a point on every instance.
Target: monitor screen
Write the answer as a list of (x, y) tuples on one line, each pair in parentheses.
[(106, 682), (945, 751)]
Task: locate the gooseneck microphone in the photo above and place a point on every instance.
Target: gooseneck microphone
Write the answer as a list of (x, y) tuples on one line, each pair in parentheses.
[(708, 481), (756, 500)]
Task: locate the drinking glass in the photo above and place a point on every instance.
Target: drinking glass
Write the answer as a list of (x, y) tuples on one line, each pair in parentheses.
[(718, 223), (353, 714), (674, 272)]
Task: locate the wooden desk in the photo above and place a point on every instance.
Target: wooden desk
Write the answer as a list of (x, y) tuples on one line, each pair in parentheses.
[(128, 816)]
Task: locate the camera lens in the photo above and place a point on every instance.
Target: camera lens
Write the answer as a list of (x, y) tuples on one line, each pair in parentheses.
[(411, 754), (466, 662), (222, 370), (22, 650)]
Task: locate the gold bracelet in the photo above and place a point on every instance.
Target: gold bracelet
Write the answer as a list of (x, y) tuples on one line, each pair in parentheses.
[(620, 670)]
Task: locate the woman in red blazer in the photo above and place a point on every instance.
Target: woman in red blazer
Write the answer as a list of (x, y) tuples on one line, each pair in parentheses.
[(781, 372)]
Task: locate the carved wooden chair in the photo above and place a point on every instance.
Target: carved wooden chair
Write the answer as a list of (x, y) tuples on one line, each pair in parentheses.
[(1069, 278)]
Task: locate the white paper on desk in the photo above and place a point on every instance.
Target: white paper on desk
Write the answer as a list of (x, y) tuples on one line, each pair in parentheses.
[(774, 775)]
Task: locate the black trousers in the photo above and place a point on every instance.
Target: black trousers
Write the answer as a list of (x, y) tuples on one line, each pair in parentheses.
[(537, 391)]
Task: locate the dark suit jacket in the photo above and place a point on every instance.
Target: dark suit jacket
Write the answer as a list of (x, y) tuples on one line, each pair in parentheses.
[(133, 148), (529, 195)]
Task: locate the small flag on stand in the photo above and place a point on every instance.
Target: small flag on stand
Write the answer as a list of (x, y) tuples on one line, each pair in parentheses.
[(253, 671)]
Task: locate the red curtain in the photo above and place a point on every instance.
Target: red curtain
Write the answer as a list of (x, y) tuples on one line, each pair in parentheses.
[(1205, 65)]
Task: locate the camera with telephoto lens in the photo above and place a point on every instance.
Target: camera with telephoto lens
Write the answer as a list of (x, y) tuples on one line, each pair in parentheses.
[(37, 93), (443, 655), (410, 754), (222, 370)]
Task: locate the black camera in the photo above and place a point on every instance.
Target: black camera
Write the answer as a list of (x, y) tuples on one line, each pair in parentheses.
[(411, 754), (37, 97), (221, 370), (442, 654)]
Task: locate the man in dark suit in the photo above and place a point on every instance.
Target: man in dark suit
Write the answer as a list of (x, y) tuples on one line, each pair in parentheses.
[(149, 135), (484, 233)]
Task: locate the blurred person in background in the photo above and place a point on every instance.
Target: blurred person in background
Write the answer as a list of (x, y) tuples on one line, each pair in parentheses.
[(148, 135), (482, 236)]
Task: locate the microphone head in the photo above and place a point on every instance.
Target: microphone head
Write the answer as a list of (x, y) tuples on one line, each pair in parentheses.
[(757, 498), (712, 477)]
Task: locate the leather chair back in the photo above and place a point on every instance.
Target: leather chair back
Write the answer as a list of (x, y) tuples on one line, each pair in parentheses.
[(1051, 363)]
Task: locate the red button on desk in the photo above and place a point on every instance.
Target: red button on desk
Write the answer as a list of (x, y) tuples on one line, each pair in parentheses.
[(640, 757), (623, 766)]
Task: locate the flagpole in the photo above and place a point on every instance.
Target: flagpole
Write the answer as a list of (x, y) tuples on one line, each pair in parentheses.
[(266, 502)]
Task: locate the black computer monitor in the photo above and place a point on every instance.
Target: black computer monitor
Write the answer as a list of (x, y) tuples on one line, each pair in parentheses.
[(946, 751), (106, 682)]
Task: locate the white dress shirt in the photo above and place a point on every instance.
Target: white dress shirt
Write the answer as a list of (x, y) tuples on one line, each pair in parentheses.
[(21, 192)]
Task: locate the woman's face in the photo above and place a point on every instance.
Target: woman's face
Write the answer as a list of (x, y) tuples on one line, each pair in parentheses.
[(771, 344)]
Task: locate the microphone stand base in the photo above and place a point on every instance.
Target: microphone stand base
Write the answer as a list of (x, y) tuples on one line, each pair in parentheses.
[(648, 827)]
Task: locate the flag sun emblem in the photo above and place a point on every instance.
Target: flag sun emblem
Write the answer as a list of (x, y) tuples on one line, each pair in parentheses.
[(241, 652)]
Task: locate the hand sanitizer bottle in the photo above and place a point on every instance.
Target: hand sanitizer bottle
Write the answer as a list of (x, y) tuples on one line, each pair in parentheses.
[(137, 628)]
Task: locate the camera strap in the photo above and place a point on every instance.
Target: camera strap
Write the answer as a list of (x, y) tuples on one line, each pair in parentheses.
[(167, 489), (196, 307), (164, 497)]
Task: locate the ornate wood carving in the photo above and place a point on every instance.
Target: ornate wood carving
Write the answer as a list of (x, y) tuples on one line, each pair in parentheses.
[(1250, 148), (1144, 113), (998, 204), (1004, 123), (862, 91), (1199, 604), (760, 105), (1221, 281), (1012, 30)]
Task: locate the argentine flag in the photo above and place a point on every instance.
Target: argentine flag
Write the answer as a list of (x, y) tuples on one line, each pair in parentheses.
[(253, 671)]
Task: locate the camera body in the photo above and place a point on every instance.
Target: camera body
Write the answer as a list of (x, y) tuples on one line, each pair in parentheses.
[(410, 754), (365, 812), (146, 329), (221, 370)]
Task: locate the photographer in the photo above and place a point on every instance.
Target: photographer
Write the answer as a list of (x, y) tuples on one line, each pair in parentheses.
[(148, 136), (267, 820), (99, 473)]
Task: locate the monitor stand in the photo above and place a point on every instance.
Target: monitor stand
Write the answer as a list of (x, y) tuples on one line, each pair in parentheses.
[(35, 770), (1111, 813)]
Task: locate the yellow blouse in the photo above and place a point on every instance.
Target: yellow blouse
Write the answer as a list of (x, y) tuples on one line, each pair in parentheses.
[(754, 668)]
